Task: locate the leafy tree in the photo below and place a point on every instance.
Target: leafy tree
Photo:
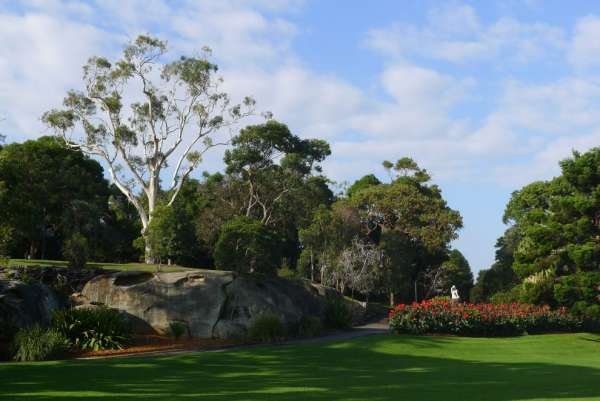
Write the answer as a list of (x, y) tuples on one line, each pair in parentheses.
[(559, 220), (272, 165), (172, 120), (366, 181), (331, 231), (416, 219), (43, 186), (246, 245)]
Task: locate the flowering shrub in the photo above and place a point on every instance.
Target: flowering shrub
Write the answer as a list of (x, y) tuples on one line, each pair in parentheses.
[(440, 316)]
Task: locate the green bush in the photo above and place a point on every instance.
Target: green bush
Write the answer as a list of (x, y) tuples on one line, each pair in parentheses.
[(39, 344), (177, 329), (246, 245), (267, 327), (582, 286), (92, 328), (308, 326), (4, 261), (337, 314), (76, 251)]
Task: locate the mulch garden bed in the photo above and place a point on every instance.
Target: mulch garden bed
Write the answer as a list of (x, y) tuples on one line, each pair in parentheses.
[(141, 344)]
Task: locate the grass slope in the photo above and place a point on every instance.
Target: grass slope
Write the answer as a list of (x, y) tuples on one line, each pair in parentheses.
[(113, 266), (545, 367)]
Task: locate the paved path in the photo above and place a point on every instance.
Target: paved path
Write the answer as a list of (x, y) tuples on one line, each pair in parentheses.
[(358, 331)]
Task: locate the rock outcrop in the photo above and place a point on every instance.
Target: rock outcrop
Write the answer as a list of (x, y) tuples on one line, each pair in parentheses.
[(211, 303), (23, 304)]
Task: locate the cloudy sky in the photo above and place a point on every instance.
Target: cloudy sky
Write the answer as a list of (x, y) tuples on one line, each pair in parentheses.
[(487, 96)]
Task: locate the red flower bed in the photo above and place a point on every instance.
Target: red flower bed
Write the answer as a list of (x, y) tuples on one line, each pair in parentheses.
[(435, 316)]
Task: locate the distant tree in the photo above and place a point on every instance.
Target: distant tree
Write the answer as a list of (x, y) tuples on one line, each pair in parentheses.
[(171, 122), (272, 165), (76, 251), (454, 271), (500, 276), (331, 231), (366, 181), (246, 245), (417, 214), (360, 268)]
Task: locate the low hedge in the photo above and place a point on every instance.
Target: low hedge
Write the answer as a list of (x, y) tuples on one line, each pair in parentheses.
[(444, 317)]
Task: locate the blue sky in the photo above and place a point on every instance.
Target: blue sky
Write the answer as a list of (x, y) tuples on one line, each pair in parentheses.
[(487, 96)]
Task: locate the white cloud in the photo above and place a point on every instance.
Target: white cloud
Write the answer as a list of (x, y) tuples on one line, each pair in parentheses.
[(585, 46), (455, 34)]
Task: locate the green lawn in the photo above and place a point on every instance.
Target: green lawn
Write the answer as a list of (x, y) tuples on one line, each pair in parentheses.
[(113, 266), (546, 367)]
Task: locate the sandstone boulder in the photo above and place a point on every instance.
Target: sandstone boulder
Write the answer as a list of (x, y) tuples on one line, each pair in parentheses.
[(23, 304), (195, 298), (210, 303)]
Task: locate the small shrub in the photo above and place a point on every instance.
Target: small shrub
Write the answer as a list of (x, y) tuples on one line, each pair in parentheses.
[(39, 344), (76, 251), (4, 261), (337, 314), (308, 326), (92, 328), (267, 327), (177, 329)]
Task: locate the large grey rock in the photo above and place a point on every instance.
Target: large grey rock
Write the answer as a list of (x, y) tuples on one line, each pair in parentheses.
[(251, 296), (195, 298), (23, 304), (211, 303)]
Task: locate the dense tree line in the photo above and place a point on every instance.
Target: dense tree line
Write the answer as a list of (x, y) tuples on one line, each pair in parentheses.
[(271, 208)]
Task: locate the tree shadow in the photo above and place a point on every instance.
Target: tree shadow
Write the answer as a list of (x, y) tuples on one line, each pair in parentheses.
[(353, 370)]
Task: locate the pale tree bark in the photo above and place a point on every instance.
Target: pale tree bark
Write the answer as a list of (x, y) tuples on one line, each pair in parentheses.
[(171, 122)]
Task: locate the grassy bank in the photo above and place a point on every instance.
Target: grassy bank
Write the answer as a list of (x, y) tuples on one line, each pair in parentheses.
[(112, 266)]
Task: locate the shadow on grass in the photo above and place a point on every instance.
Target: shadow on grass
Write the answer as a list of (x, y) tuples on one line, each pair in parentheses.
[(352, 370)]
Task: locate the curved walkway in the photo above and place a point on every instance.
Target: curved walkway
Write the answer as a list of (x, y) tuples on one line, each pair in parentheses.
[(370, 329)]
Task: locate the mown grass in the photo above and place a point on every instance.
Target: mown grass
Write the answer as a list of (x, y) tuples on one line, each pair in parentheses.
[(112, 266), (534, 368)]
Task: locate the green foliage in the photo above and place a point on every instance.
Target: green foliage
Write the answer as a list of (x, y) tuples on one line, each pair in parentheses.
[(580, 287), (337, 314), (367, 181), (247, 245), (162, 233), (455, 271), (177, 329), (36, 343), (267, 327), (480, 319), (76, 251), (48, 193), (92, 328), (558, 219)]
